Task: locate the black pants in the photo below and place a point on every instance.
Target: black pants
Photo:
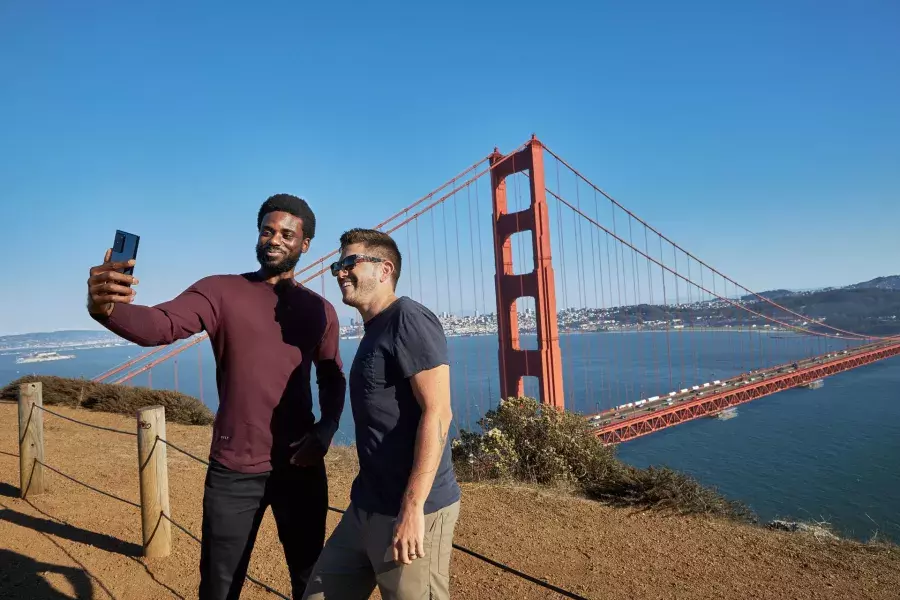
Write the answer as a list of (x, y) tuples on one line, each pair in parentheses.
[(233, 507)]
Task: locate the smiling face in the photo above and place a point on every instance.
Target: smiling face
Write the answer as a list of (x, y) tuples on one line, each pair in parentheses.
[(280, 242), (365, 280)]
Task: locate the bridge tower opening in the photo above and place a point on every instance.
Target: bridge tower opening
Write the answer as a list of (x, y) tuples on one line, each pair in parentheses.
[(545, 363)]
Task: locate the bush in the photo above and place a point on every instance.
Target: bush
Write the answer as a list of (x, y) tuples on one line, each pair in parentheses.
[(525, 441), (120, 399)]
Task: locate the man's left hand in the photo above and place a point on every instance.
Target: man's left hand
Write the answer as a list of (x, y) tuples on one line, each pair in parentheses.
[(308, 450), (409, 535)]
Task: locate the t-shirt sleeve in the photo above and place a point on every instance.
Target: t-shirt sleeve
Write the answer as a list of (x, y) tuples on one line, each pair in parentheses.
[(420, 342)]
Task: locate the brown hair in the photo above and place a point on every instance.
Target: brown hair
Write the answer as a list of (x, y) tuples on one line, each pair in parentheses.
[(379, 243)]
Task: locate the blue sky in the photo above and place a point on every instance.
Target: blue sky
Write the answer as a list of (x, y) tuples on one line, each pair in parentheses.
[(764, 137)]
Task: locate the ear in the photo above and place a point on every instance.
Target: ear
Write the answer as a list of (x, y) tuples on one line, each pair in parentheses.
[(304, 246), (387, 271)]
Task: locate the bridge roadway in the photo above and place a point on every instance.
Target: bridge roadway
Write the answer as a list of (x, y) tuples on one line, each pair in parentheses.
[(626, 423)]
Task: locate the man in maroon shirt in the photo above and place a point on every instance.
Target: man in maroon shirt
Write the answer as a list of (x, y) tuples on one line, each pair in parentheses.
[(267, 331)]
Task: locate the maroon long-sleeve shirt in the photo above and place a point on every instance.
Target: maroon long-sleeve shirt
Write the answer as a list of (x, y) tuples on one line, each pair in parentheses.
[(265, 339)]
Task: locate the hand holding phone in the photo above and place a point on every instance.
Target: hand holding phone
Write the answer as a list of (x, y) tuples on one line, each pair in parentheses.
[(111, 282), (124, 249)]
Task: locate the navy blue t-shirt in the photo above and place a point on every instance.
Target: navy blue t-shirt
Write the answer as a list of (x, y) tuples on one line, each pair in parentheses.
[(400, 341)]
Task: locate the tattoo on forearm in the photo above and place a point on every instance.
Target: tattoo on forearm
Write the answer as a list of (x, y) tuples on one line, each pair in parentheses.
[(442, 435)]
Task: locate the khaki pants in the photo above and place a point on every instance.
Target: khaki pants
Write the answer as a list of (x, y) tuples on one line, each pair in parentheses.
[(358, 556)]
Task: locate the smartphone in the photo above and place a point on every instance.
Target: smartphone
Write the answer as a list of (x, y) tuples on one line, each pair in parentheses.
[(125, 248)]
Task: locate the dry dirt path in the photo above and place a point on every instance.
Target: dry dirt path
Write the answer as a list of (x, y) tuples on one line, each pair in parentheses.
[(73, 542)]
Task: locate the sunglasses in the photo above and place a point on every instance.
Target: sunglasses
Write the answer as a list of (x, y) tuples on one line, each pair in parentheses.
[(348, 262)]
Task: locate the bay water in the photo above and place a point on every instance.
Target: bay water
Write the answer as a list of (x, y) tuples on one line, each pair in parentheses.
[(831, 454)]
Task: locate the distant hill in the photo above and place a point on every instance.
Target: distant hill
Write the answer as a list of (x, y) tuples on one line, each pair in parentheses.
[(771, 295), (867, 310), (891, 282), (67, 335), (58, 339), (869, 307)]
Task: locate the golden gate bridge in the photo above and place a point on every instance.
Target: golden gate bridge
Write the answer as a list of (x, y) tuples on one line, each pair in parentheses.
[(496, 250)]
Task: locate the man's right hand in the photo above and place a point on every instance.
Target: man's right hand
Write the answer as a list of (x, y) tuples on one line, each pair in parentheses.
[(308, 450), (107, 286)]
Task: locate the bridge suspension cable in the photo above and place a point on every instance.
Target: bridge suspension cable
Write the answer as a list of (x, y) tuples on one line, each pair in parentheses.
[(321, 262), (686, 279), (128, 363), (662, 236)]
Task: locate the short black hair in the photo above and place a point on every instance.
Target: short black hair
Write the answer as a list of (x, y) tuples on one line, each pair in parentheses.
[(293, 205), (382, 245)]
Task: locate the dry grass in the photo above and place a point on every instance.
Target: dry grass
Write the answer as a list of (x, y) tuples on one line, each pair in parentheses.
[(120, 399), (523, 441)]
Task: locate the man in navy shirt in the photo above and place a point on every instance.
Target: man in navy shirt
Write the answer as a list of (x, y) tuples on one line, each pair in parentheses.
[(397, 532)]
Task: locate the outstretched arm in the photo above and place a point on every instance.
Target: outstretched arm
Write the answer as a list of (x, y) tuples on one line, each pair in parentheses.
[(110, 303), (188, 313)]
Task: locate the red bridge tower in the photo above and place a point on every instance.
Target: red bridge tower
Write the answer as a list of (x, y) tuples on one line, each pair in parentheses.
[(545, 363)]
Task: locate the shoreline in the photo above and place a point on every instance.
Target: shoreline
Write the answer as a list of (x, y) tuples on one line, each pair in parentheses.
[(635, 331)]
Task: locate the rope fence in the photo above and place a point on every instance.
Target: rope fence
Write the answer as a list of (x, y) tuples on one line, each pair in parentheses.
[(176, 524), (185, 452), (91, 425), (154, 480), (88, 486)]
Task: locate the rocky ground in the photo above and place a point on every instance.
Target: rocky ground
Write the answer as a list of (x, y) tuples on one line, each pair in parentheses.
[(73, 542)]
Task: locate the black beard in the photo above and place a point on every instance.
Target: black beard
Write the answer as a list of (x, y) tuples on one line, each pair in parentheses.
[(285, 265)]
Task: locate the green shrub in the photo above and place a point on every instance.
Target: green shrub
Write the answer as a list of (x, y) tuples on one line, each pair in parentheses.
[(120, 399), (525, 441)]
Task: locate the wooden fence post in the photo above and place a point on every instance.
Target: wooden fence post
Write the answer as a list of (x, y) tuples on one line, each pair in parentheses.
[(31, 439), (154, 478)]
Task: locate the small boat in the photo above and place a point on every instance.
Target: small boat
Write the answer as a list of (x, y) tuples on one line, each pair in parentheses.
[(42, 357), (724, 415)]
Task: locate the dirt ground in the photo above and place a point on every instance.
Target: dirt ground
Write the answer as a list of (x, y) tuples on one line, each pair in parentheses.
[(73, 542)]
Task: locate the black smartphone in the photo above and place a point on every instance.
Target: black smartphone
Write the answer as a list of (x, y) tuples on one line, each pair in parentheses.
[(125, 248)]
